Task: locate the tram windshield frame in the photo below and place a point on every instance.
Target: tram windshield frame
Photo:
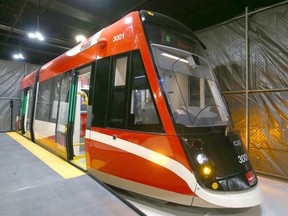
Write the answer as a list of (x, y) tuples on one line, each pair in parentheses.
[(186, 78)]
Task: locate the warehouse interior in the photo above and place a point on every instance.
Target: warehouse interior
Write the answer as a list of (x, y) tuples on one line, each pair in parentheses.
[(246, 42)]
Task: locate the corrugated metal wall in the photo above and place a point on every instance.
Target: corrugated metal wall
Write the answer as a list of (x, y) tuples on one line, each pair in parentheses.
[(268, 82), (11, 74)]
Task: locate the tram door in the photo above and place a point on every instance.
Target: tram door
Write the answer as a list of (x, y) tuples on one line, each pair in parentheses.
[(26, 112), (77, 147), (61, 133)]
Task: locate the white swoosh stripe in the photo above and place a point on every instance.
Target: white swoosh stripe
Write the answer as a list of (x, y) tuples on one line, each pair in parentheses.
[(224, 199), (147, 154)]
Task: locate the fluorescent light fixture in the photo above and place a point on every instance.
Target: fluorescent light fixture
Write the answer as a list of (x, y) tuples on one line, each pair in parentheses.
[(21, 56), (174, 57), (80, 38), (31, 35), (18, 56), (36, 35), (39, 36)]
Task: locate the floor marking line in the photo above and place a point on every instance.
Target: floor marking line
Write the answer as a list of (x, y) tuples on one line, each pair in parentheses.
[(59, 165)]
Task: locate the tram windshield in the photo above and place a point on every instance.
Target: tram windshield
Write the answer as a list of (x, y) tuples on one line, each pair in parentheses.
[(188, 81)]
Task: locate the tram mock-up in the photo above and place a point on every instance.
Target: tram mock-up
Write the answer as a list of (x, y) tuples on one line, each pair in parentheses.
[(156, 122)]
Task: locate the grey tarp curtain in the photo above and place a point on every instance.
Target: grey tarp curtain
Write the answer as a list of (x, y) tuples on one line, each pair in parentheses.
[(11, 73), (268, 82)]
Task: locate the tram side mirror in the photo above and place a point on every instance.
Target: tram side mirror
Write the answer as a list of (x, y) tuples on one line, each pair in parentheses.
[(102, 42), (192, 63)]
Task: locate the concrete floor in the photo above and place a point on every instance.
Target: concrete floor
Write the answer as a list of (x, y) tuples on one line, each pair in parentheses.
[(30, 187), (275, 204)]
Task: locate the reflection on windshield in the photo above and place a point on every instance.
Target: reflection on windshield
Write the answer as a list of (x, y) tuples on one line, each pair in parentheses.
[(190, 87)]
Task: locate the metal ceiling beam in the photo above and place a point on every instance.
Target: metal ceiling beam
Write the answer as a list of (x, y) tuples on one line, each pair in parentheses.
[(30, 49), (17, 19), (43, 42), (70, 11), (117, 17), (46, 7), (52, 22), (69, 45)]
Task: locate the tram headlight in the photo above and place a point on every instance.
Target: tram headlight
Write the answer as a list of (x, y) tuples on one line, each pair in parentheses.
[(205, 166), (207, 170), (202, 159)]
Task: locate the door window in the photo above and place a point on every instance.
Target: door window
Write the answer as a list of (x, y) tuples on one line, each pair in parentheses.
[(63, 109), (118, 97), (143, 114)]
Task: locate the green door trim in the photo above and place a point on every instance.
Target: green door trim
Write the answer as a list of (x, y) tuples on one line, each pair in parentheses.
[(71, 115)]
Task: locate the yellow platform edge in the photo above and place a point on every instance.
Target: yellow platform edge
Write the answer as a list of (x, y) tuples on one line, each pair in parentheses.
[(59, 165)]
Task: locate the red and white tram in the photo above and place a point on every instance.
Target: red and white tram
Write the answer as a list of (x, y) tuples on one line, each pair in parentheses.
[(156, 122)]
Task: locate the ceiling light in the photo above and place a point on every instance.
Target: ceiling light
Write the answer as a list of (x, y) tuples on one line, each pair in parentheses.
[(80, 38), (31, 35), (36, 35), (18, 56), (39, 36)]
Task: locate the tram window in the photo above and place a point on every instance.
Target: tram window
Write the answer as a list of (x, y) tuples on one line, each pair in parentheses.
[(55, 98), (143, 115), (129, 106), (100, 100), (43, 100), (120, 71), (117, 115), (29, 105), (64, 101)]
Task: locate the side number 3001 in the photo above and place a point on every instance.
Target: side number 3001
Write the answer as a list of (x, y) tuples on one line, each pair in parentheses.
[(118, 37), (243, 158)]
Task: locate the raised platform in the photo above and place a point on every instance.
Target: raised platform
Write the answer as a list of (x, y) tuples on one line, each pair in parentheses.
[(35, 182)]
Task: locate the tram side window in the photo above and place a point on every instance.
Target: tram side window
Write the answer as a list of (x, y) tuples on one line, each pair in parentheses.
[(122, 96), (120, 71), (117, 115), (63, 103), (54, 99), (47, 101), (143, 114), (28, 108), (100, 100), (43, 100)]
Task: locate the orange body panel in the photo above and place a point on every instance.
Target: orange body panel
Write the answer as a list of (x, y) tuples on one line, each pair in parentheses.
[(129, 166), (28, 80), (67, 62), (109, 159), (83, 117), (155, 164), (152, 77)]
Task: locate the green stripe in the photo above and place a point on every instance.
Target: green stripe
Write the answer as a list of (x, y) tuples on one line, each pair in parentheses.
[(23, 108), (71, 103)]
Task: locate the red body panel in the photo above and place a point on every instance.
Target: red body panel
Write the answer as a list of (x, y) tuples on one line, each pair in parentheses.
[(83, 117), (65, 63), (28, 80), (152, 164), (148, 63), (108, 159), (129, 166)]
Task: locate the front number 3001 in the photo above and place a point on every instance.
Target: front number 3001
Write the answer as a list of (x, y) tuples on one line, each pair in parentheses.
[(243, 158)]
